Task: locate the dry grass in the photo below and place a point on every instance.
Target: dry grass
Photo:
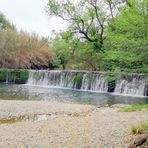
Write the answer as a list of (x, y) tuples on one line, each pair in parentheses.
[(141, 128), (23, 50)]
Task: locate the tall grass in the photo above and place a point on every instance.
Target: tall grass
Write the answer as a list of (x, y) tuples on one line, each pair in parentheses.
[(20, 50), (141, 128)]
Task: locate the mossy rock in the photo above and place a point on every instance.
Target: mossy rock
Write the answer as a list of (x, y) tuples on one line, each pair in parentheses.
[(22, 77), (112, 78), (3, 75), (78, 80), (14, 76)]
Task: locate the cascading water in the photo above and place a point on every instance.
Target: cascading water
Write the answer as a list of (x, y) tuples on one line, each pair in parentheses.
[(133, 84), (69, 79), (129, 84), (44, 77), (95, 82), (10, 77)]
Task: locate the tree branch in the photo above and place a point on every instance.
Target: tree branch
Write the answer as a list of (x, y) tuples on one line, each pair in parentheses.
[(87, 29)]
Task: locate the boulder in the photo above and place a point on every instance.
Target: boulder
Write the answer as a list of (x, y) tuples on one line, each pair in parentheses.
[(141, 141)]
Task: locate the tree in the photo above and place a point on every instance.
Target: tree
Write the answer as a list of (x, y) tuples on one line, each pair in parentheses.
[(73, 53), (83, 46), (127, 39), (87, 18), (104, 35), (4, 23)]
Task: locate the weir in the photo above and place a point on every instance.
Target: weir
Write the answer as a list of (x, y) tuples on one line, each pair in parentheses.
[(93, 81), (126, 84), (132, 84)]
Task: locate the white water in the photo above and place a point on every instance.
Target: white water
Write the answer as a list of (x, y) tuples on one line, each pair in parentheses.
[(133, 84), (130, 85), (94, 82), (69, 79)]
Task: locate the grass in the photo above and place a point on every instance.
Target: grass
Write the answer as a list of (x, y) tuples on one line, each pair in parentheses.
[(135, 108), (141, 128)]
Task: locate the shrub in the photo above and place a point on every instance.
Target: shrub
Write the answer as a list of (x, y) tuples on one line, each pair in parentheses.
[(14, 76), (140, 128), (20, 50)]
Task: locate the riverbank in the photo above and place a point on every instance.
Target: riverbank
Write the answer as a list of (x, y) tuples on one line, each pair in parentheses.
[(73, 125)]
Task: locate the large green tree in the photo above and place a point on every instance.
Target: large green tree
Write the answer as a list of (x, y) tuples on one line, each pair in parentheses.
[(83, 43), (86, 18), (103, 34), (75, 54), (127, 39)]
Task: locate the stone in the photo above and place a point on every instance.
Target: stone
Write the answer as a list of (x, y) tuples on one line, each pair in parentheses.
[(141, 140), (146, 144)]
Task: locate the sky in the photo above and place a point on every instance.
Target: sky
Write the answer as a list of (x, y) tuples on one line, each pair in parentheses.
[(30, 16)]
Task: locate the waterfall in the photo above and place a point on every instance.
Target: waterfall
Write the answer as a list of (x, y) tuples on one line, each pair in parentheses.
[(129, 84), (69, 79), (85, 82), (132, 84), (7, 77), (95, 82), (44, 78), (10, 77)]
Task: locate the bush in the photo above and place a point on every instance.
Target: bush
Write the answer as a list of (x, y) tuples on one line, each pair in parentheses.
[(78, 80), (140, 128), (14, 76), (3, 74), (20, 50)]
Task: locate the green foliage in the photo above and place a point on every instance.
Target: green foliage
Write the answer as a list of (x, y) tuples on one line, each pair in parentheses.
[(75, 54), (78, 80), (90, 75), (127, 39), (14, 76), (123, 46), (112, 77), (22, 76), (4, 23), (87, 18), (63, 46), (107, 35), (138, 129), (3, 74), (135, 108)]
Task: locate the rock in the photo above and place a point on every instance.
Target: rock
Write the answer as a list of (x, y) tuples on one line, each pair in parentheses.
[(142, 131), (139, 141), (145, 144)]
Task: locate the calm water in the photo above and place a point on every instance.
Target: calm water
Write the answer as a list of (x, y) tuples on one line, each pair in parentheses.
[(25, 92)]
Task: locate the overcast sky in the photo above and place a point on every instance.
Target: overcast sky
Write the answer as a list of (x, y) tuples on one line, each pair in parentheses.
[(30, 16)]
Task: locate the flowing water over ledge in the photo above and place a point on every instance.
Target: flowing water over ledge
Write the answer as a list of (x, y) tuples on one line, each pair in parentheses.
[(26, 92), (124, 84), (133, 84)]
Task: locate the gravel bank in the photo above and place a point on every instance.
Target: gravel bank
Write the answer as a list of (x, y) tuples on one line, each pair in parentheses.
[(84, 126), (17, 108)]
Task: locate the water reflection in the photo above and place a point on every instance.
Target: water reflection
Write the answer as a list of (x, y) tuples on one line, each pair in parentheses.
[(25, 92)]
